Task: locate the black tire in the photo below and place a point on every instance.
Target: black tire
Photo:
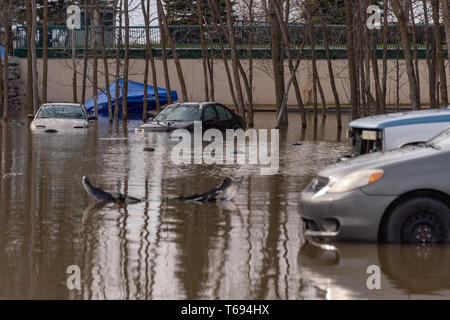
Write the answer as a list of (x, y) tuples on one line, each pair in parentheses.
[(419, 220)]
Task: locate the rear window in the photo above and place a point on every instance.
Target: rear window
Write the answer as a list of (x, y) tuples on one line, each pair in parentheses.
[(61, 111)]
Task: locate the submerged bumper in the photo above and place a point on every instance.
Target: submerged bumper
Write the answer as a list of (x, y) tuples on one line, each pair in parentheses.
[(352, 215)]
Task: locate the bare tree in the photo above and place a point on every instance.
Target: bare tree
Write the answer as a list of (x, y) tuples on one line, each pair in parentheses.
[(174, 51), (445, 13), (204, 48), (219, 32), (330, 71), (118, 5), (351, 59), (105, 61), (85, 52), (439, 53), (29, 96), (44, 52), (149, 58), (127, 63), (5, 19), (277, 57), (430, 59), (402, 16), (33, 56), (162, 34), (94, 56)]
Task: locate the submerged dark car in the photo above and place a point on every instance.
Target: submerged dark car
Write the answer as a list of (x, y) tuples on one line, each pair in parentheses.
[(182, 116)]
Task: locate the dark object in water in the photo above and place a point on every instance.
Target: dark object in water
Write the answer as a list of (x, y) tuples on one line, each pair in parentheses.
[(226, 191), (149, 149), (97, 193), (297, 144), (51, 131), (16, 123)]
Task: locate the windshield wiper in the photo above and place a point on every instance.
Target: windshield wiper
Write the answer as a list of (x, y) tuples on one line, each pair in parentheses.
[(432, 145)]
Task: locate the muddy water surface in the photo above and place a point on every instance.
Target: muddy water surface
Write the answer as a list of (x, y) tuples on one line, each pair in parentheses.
[(251, 248)]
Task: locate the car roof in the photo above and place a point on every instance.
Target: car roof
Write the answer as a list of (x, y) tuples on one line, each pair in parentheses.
[(191, 104), (402, 119)]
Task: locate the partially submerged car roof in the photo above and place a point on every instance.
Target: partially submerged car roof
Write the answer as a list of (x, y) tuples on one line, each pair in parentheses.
[(402, 119)]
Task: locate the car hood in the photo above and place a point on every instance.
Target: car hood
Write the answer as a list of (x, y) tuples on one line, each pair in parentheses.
[(376, 160), (166, 125), (58, 124)]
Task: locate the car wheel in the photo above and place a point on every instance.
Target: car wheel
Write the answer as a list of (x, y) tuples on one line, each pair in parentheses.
[(419, 220)]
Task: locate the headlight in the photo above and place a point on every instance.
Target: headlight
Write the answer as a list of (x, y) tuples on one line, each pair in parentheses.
[(355, 180)]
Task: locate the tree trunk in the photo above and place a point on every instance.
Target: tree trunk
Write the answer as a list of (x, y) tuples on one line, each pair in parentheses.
[(292, 69), (380, 108), (85, 52), (351, 59), (174, 52), (250, 118), (277, 58), (118, 49), (44, 52), (1, 82), (33, 57), (385, 43), (94, 58), (74, 69), (439, 53), (330, 72), (204, 48), (219, 34), (416, 52), (29, 94), (234, 61), (431, 70), (211, 72), (105, 60), (149, 55), (446, 15), (316, 78), (400, 13), (5, 61), (164, 52), (127, 63)]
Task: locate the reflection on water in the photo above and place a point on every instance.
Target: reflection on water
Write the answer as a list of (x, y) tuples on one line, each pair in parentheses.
[(407, 271), (165, 249)]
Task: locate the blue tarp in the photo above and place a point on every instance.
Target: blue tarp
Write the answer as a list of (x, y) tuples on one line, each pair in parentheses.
[(134, 98), (2, 52)]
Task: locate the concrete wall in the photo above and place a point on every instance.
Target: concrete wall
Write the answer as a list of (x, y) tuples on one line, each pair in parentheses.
[(60, 80)]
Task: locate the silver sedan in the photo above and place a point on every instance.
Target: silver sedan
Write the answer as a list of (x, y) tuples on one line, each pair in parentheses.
[(395, 196), (55, 117)]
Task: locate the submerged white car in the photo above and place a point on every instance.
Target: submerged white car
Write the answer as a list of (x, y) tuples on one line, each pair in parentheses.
[(395, 130), (54, 117)]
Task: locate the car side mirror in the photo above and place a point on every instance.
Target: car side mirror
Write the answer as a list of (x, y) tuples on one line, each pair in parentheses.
[(92, 118), (31, 116)]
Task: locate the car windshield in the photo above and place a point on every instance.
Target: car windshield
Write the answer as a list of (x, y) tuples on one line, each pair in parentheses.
[(441, 141), (61, 111), (180, 113)]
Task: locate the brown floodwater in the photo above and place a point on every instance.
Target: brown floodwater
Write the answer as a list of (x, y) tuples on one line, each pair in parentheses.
[(251, 248)]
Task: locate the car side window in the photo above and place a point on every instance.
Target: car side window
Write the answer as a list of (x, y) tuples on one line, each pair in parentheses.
[(224, 113), (210, 113)]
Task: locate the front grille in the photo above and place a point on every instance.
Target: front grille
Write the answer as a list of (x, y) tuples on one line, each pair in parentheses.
[(318, 184)]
